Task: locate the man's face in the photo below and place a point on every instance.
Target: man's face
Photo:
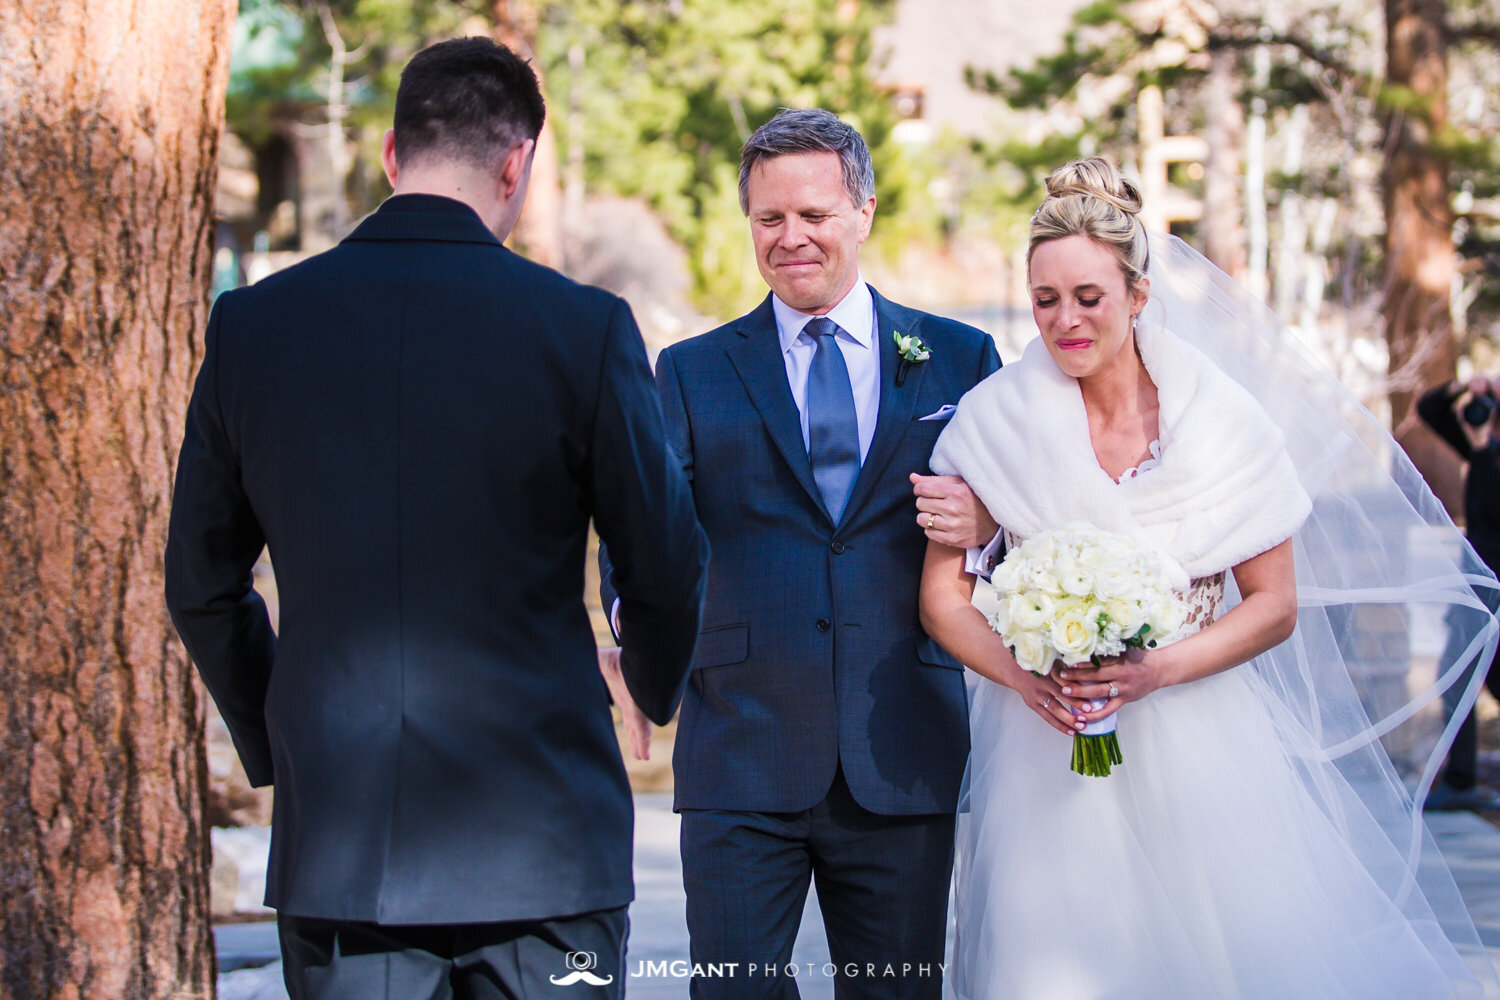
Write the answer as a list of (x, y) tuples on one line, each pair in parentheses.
[(807, 230)]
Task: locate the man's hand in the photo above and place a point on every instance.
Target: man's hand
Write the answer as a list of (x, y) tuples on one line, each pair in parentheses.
[(950, 513), (637, 726)]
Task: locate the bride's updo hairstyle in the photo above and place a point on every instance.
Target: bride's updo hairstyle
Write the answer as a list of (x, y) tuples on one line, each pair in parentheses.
[(1091, 198)]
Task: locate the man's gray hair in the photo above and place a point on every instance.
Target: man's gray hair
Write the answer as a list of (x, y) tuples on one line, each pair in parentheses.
[(810, 131)]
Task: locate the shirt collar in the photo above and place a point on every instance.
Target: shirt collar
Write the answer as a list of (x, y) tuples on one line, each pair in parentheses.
[(855, 315)]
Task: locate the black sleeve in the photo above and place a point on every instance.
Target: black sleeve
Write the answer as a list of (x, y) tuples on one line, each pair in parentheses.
[(213, 541), (653, 553), (1436, 410)]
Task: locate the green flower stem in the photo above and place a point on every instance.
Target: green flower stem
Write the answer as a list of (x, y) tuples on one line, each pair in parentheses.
[(1093, 755)]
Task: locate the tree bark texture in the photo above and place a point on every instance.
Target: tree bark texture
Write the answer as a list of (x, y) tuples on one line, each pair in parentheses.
[(1419, 255), (109, 138), (1222, 226), (539, 230)]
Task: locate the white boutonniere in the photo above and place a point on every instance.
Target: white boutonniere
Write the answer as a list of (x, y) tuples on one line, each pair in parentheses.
[(913, 351)]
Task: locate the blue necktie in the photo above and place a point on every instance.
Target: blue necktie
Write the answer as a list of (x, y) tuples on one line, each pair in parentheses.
[(832, 428)]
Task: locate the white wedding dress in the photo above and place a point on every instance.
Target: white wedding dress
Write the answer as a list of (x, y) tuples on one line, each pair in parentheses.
[(1260, 841), (1199, 870)]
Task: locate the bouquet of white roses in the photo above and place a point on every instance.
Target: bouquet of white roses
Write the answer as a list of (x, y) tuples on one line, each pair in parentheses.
[(1077, 594)]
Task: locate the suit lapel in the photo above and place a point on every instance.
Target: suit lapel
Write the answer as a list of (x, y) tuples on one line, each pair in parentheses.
[(757, 359), (897, 403)]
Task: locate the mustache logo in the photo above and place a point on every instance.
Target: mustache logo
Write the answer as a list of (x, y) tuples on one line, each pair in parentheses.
[(581, 975), (581, 962)]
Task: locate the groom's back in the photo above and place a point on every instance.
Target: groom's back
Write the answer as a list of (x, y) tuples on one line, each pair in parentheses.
[(415, 419)]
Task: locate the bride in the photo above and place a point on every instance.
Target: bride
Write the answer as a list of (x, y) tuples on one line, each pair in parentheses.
[(1257, 841)]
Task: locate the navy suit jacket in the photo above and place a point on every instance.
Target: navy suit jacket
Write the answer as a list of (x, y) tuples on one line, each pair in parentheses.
[(421, 424), (811, 654)]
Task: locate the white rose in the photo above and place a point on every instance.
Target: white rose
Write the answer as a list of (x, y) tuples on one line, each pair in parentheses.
[(1126, 615), (1039, 576), (1168, 617), (1075, 633), (1031, 652), (1074, 577), (1097, 558), (1007, 576), (1114, 579), (1029, 610)]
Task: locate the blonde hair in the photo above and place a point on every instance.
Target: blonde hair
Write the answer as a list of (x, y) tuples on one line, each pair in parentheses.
[(1091, 198)]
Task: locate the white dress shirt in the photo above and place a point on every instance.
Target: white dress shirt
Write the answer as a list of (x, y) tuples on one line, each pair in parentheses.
[(855, 316)]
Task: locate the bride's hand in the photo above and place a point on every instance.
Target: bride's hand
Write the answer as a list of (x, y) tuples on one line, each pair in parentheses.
[(1043, 696), (1117, 681)]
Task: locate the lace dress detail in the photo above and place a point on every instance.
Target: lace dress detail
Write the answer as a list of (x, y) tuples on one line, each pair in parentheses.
[(1205, 604), (1146, 465)]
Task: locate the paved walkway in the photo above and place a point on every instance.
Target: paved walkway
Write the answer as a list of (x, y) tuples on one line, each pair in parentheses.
[(658, 932)]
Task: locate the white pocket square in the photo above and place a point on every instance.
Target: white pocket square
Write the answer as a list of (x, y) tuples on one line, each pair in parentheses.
[(941, 413)]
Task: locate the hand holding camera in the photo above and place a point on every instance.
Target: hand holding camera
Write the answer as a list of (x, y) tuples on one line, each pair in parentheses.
[(1480, 408)]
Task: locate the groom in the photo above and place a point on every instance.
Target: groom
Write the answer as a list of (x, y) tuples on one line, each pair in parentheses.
[(823, 735), (421, 425)]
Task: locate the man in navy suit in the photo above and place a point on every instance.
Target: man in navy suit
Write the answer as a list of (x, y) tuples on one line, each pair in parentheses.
[(420, 424), (823, 734)]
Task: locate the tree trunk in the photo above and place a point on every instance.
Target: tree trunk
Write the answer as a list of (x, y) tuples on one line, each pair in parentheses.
[(1223, 228), (1418, 231), (108, 159), (539, 231)]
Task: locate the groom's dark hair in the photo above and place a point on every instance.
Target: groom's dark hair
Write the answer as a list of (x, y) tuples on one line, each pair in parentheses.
[(466, 99)]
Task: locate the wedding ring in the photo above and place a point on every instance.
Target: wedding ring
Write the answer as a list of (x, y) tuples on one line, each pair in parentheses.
[(1114, 692), (930, 519)]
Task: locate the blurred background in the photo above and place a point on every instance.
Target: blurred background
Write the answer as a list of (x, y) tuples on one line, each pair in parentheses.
[(1338, 158)]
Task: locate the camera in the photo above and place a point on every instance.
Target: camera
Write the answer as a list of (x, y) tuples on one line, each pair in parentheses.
[(1478, 410)]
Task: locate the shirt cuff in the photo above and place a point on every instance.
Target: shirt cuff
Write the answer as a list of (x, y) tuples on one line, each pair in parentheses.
[(981, 562)]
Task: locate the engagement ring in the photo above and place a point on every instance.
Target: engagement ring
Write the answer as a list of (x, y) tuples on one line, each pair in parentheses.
[(1114, 692)]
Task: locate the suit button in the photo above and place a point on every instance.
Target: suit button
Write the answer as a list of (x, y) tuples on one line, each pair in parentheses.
[(823, 624), (837, 547)]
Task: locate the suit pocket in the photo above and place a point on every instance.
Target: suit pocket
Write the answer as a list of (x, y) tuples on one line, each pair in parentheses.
[(930, 652), (725, 644)]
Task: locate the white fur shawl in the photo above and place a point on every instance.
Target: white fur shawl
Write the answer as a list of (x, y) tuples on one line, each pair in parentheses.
[(1225, 489)]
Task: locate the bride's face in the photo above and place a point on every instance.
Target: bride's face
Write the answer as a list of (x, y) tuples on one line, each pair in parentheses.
[(1082, 306)]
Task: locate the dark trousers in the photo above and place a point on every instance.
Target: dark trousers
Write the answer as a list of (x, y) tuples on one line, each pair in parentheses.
[(341, 960), (1462, 769), (882, 886)]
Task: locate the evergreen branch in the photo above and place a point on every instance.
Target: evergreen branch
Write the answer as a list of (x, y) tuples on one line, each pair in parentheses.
[(1249, 35), (1489, 33)]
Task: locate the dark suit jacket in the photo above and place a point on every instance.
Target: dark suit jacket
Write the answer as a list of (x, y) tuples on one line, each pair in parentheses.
[(420, 424), (811, 653)]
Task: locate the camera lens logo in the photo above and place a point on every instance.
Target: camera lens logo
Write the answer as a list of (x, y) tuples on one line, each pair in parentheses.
[(582, 964)]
